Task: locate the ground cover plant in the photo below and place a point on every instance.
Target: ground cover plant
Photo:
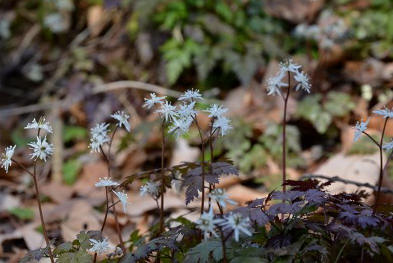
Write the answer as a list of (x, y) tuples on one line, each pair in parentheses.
[(301, 222)]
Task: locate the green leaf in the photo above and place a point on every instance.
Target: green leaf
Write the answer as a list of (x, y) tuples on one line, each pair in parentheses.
[(76, 257), (83, 240), (204, 250), (22, 213), (248, 260), (310, 109), (71, 169), (62, 248), (71, 133), (339, 103)]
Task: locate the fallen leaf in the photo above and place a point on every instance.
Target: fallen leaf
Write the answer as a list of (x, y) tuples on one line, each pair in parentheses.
[(243, 194), (80, 217), (357, 168)]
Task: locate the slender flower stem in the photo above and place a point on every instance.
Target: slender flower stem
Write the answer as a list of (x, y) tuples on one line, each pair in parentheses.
[(39, 203), (162, 176), (106, 210), (211, 186), (381, 168), (224, 251), (284, 146), (38, 197), (114, 203), (202, 165), (371, 138), (105, 217), (118, 230)]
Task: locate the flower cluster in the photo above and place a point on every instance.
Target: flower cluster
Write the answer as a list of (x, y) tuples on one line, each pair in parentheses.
[(218, 195), (360, 128), (41, 148), (182, 116), (207, 223), (233, 222), (275, 83), (99, 133), (151, 188), (42, 124), (6, 157), (99, 247)]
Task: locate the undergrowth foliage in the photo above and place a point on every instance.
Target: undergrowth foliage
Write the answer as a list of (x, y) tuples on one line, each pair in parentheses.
[(301, 223)]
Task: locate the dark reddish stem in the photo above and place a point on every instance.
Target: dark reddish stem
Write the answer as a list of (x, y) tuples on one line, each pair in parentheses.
[(118, 230), (224, 252), (284, 126), (38, 197), (162, 176), (41, 215), (211, 186), (202, 165), (381, 168), (106, 210), (107, 158)]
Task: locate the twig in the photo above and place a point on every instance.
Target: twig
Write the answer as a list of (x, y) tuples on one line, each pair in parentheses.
[(121, 84), (112, 86), (345, 181)]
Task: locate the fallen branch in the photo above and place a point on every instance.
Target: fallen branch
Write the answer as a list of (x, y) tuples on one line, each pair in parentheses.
[(345, 181), (108, 87)]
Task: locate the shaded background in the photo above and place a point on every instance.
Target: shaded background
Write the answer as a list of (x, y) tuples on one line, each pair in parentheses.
[(78, 61)]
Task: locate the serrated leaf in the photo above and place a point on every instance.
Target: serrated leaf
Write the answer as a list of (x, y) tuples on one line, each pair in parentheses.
[(34, 255), (62, 248), (204, 250), (79, 256)]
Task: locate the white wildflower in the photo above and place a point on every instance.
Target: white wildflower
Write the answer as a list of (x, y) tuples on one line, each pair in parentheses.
[(41, 149), (122, 120), (289, 66), (149, 103), (97, 141), (180, 126), (187, 110), (100, 129), (223, 125), (99, 136), (274, 84), (99, 247), (6, 157), (42, 124), (236, 223), (386, 113), (216, 111), (359, 129), (123, 197), (106, 182), (207, 222), (167, 111), (151, 188), (191, 95), (388, 146), (218, 195), (303, 82)]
